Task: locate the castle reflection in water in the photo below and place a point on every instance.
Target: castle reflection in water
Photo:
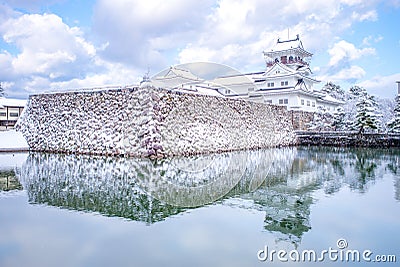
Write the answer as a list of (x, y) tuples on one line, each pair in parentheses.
[(278, 182)]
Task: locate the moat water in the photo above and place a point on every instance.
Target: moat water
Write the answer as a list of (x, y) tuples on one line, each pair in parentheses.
[(276, 207)]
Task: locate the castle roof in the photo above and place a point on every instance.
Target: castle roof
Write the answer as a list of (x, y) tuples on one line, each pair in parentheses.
[(279, 70), (291, 45), (288, 44), (175, 77)]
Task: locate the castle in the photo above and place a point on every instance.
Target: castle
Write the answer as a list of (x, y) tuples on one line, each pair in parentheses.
[(286, 81)]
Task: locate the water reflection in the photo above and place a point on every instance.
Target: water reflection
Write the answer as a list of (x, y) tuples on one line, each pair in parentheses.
[(9, 163), (279, 182), (9, 181), (138, 189), (394, 168)]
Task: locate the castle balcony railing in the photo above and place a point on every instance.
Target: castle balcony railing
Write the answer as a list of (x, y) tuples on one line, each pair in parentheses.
[(290, 61)]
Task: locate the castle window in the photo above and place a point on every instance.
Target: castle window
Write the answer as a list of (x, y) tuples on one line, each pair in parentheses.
[(14, 114), (285, 83), (302, 102), (313, 104), (283, 101), (308, 103), (270, 84), (269, 101)]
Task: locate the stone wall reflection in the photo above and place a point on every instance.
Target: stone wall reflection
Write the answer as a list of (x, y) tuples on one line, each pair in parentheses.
[(279, 182), (140, 189)]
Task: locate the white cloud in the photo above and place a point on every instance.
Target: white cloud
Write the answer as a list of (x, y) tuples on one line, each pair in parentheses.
[(344, 51), (143, 33), (115, 74), (194, 54), (47, 46), (395, 3), (37, 84), (367, 40), (371, 15), (131, 35), (230, 22), (31, 5), (6, 64), (47, 51), (350, 75), (384, 86), (263, 21), (50, 54), (140, 33), (316, 69), (352, 2)]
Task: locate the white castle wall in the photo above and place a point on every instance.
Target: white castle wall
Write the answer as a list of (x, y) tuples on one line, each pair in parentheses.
[(150, 122)]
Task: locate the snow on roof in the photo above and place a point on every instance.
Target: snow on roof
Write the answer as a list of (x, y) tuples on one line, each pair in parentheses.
[(207, 91), (328, 98), (285, 71), (282, 67), (170, 83), (10, 102), (289, 44), (199, 89), (175, 77), (293, 44), (291, 91), (183, 73), (240, 79)]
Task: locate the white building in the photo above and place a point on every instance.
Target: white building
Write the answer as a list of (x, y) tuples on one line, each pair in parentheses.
[(10, 110), (286, 81), (183, 80)]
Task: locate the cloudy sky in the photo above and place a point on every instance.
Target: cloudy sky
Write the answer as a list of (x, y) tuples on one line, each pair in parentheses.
[(49, 45)]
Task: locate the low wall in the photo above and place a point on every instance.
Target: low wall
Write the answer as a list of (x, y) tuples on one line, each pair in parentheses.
[(348, 139), (150, 122), (300, 119)]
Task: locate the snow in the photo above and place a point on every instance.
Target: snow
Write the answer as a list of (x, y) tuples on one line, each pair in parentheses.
[(9, 161), (208, 91), (9, 102), (287, 45), (332, 99), (12, 141)]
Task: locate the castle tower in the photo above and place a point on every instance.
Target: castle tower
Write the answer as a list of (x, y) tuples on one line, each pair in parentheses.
[(290, 53)]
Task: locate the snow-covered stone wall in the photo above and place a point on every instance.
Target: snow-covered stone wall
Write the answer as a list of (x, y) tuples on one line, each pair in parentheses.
[(300, 119), (150, 122)]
